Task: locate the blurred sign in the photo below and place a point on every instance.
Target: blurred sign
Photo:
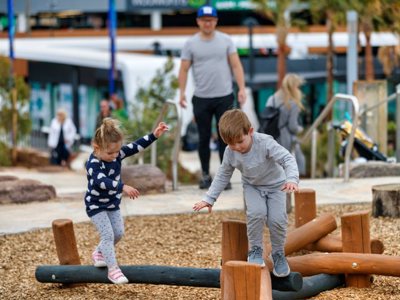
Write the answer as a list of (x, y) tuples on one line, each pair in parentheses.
[(164, 4), (176, 4), (233, 4)]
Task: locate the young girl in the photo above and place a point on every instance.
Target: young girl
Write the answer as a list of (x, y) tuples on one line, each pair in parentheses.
[(105, 189)]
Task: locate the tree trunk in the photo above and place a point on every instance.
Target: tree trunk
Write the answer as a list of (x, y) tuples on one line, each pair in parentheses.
[(281, 33), (329, 58), (386, 200), (369, 58)]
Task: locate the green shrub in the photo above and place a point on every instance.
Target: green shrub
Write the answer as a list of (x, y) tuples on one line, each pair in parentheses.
[(5, 155)]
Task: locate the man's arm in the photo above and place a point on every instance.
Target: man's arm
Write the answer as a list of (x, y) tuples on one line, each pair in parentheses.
[(182, 80), (237, 69)]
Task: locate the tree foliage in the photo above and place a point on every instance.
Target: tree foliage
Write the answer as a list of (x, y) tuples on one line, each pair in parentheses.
[(144, 113), (23, 92)]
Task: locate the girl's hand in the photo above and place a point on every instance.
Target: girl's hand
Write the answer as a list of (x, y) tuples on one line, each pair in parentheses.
[(130, 191), (160, 129), (200, 205), (289, 187)]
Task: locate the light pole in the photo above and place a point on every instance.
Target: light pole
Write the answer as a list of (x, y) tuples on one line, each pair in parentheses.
[(12, 89), (112, 24)]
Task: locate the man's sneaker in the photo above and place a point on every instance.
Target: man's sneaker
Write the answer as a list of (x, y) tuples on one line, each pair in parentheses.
[(255, 256), (228, 186), (116, 276), (281, 267), (205, 182), (98, 259)]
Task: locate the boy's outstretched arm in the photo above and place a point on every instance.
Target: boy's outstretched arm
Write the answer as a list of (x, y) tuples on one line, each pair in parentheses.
[(200, 205), (160, 129), (290, 187)]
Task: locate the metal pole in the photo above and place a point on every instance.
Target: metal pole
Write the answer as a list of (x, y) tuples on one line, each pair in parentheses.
[(112, 24), (12, 89), (398, 123), (351, 56)]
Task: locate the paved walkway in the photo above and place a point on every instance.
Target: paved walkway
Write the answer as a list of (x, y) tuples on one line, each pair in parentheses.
[(71, 185)]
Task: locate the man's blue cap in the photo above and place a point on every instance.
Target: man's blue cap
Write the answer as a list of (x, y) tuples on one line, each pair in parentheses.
[(207, 11)]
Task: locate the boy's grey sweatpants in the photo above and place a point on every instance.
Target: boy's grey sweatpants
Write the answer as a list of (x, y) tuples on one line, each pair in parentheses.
[(110, 226), (266, 207)]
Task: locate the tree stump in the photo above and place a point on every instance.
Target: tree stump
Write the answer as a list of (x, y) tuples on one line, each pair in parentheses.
[(386, 200)]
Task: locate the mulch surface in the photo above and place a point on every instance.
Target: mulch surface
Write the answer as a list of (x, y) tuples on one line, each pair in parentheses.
[(187, 240)]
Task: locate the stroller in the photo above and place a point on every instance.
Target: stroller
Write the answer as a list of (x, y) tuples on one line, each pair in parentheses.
[(363, 144)]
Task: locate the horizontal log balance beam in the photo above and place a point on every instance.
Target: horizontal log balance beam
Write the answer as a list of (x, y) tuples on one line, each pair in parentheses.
[(168, 275), (345, 263)]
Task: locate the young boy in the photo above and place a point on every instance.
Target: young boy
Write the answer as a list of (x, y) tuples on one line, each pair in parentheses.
[(268, 171)]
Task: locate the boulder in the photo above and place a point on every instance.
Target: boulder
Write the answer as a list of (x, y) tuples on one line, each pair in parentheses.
[(25, 190), (8, 178), (146, 178), (374, 169)]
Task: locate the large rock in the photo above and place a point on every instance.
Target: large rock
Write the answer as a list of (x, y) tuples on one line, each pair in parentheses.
[(25, 190), (146, 178), (374, 169)]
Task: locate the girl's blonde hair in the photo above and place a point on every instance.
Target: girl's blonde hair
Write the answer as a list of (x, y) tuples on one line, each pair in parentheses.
[(233, 125), (109, 132), (290, 89)]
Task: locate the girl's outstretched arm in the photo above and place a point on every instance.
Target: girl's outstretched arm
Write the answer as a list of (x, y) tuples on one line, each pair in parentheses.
[(160, 129)]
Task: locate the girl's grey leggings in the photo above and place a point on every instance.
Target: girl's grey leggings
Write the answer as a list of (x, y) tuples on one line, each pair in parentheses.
[(110, 226)]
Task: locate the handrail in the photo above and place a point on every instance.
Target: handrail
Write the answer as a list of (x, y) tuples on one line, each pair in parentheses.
[(322, 116), (177, 140), (388, 99)]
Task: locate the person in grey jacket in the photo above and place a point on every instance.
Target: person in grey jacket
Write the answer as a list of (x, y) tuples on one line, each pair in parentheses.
[(268, 171), (288, 99)]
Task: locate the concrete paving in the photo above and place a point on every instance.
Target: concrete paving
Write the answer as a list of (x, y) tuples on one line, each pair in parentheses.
[(71, 185)]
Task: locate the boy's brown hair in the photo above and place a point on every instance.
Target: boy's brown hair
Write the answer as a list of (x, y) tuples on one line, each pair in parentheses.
[(233, 125)]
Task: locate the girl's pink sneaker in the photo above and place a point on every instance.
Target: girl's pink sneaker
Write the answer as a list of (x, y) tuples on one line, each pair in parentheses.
[(116, 276), (98, 259)]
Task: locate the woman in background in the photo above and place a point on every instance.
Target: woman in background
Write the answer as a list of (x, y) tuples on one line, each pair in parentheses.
[(288, 99), (61, 138)]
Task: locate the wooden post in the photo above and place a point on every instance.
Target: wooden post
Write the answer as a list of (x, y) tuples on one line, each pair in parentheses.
[(386, 200), (234, 241), (356, 239), (64, 238), (244, 281), (345, 263), (235, 245), (306, 234), (305, 208)]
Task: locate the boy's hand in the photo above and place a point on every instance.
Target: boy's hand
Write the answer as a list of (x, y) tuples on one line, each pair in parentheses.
[(160, 129), (290, 187), (200, 205), (131, 192)]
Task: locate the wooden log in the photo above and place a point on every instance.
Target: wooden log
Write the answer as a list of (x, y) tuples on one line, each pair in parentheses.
[(345, 263), (331, 243), (386, 200), (64, 238), (244, 281), (306, 234), (148, 274), (136, 274), (305, 207), (356, 239), (312, 286)]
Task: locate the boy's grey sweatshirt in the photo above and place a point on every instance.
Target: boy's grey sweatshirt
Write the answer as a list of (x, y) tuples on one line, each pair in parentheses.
[(267, 165)]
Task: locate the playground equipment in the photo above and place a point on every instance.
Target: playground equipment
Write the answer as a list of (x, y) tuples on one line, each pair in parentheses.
[(352, 259)]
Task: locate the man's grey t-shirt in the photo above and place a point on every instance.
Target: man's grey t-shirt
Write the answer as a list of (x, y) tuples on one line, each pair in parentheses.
[(210, 65)]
